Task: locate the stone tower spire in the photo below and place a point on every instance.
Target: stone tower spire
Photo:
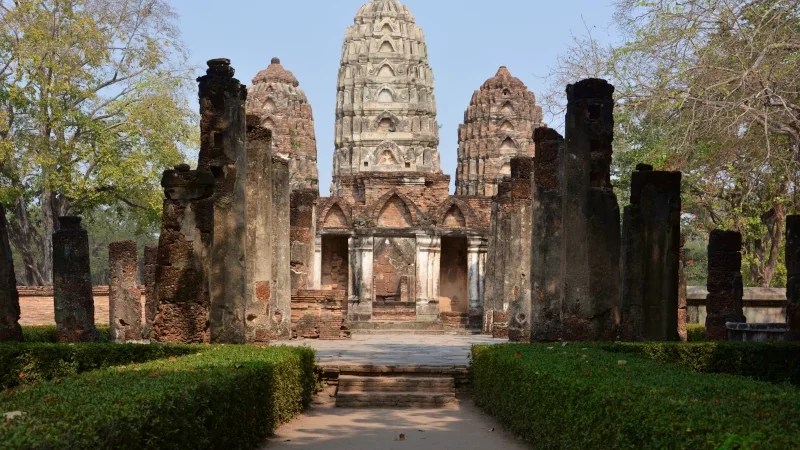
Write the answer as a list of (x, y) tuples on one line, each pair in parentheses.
[(385, 108), (283, 108), (498, 125)]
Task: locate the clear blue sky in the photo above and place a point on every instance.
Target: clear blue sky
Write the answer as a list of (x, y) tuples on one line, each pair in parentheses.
[(467, 41)]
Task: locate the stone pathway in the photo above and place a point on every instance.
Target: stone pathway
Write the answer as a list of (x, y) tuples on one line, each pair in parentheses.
[(396, 349), (325, 427)]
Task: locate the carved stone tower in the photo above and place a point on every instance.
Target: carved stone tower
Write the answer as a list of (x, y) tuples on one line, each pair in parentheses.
[(385, 107), (284, 109), (498, 125)]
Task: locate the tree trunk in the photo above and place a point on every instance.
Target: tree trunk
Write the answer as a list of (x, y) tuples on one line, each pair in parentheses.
[(27, 241), (776, 224), (53, 207)]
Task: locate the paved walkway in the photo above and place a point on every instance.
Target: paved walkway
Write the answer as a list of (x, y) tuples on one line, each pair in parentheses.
[(396, 349), (325, 427)]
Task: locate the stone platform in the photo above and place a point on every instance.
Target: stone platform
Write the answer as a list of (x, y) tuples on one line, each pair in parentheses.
[(395, 350)]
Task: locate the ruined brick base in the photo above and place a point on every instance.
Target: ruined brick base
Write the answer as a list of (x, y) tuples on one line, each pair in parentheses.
[(319, 315), (181, 323)]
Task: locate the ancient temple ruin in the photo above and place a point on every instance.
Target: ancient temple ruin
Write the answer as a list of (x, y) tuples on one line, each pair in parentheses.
[(498, 125)]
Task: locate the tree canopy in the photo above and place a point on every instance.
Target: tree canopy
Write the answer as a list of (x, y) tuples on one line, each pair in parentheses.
[(93, 107), (710, 88)]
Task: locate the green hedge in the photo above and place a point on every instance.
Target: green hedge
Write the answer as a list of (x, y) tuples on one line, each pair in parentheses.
[(774, 362), (47, 333), (579, 397), (222, 397), (30, 363), (696, 332)]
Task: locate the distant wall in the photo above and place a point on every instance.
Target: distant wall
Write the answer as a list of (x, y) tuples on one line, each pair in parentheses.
[(36, 305), (761, 305)]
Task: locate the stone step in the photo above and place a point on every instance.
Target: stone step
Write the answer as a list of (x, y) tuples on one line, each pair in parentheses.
[(442, 384), (394, 399)]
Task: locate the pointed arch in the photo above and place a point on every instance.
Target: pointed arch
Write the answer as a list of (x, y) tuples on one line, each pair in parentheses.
[(507, 109), (386, 71), (335, 218), (385, 96), (505, 170), (387, 158), (454, 218), (509, 144), (506, 92), (395, 214), (386, 28), (269, 105), (507, 126), (386, 47)]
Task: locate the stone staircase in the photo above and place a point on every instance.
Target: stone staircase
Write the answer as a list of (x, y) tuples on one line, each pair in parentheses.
[(397, 387)]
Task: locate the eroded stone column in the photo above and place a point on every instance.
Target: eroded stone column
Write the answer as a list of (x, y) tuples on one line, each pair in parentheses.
[(181, 297), (222, 151), (149, 278), (591, 215), (725, 290), (361, 294), (683, 312), (477, 248), (793, 276), (124, 295), (281, 301), (303, 229), (318, 265), (429, 250), (259, 229), (651, 256), (9, 297), (547, 281), (72, 283)]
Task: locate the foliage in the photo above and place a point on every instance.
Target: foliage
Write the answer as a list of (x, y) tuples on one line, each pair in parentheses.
[(221, 397), (696, 260), (577, 397), (47, 333), (28, 363), (774, 362), (696, 332), (93, 107), (707, 87)]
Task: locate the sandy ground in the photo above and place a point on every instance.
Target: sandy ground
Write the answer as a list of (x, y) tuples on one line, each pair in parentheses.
[(462, 427)]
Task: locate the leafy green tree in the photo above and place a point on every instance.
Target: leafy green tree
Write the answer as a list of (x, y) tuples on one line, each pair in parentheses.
[(93, 106), (709, 87)]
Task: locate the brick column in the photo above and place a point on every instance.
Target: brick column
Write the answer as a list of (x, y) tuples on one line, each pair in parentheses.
[(547, 273), (124, 295), (651, 256), (180, 293), (72, 283), (793, 276), (9, 297), (725, 291), (591, 215), (222, 150), (149, 278)]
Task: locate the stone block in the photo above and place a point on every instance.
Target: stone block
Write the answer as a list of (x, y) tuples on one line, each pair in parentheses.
[(125, 308), (72, 283)]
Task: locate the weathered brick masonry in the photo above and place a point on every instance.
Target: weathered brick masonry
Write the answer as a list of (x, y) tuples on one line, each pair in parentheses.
[(72, 282), (125, 306)]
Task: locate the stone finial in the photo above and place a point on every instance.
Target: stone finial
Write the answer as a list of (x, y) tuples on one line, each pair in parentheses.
[(276, 73), (275, 60), (590, 88), (70, 222), (220, 67)]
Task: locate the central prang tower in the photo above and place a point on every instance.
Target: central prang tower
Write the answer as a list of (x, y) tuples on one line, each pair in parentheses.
[(385, 107)]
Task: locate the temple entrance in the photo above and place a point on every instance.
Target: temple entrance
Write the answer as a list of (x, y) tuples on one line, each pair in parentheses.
[(393, 271), (453, 293), (335, 263)]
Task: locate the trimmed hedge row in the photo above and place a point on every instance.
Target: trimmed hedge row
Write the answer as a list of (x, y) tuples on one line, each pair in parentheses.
[(578, 397), (30, 363), (696, 332), (47, 333), (222, 397), (773, 362)]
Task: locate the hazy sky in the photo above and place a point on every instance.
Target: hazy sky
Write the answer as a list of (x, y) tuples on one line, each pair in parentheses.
[(467, 41)]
